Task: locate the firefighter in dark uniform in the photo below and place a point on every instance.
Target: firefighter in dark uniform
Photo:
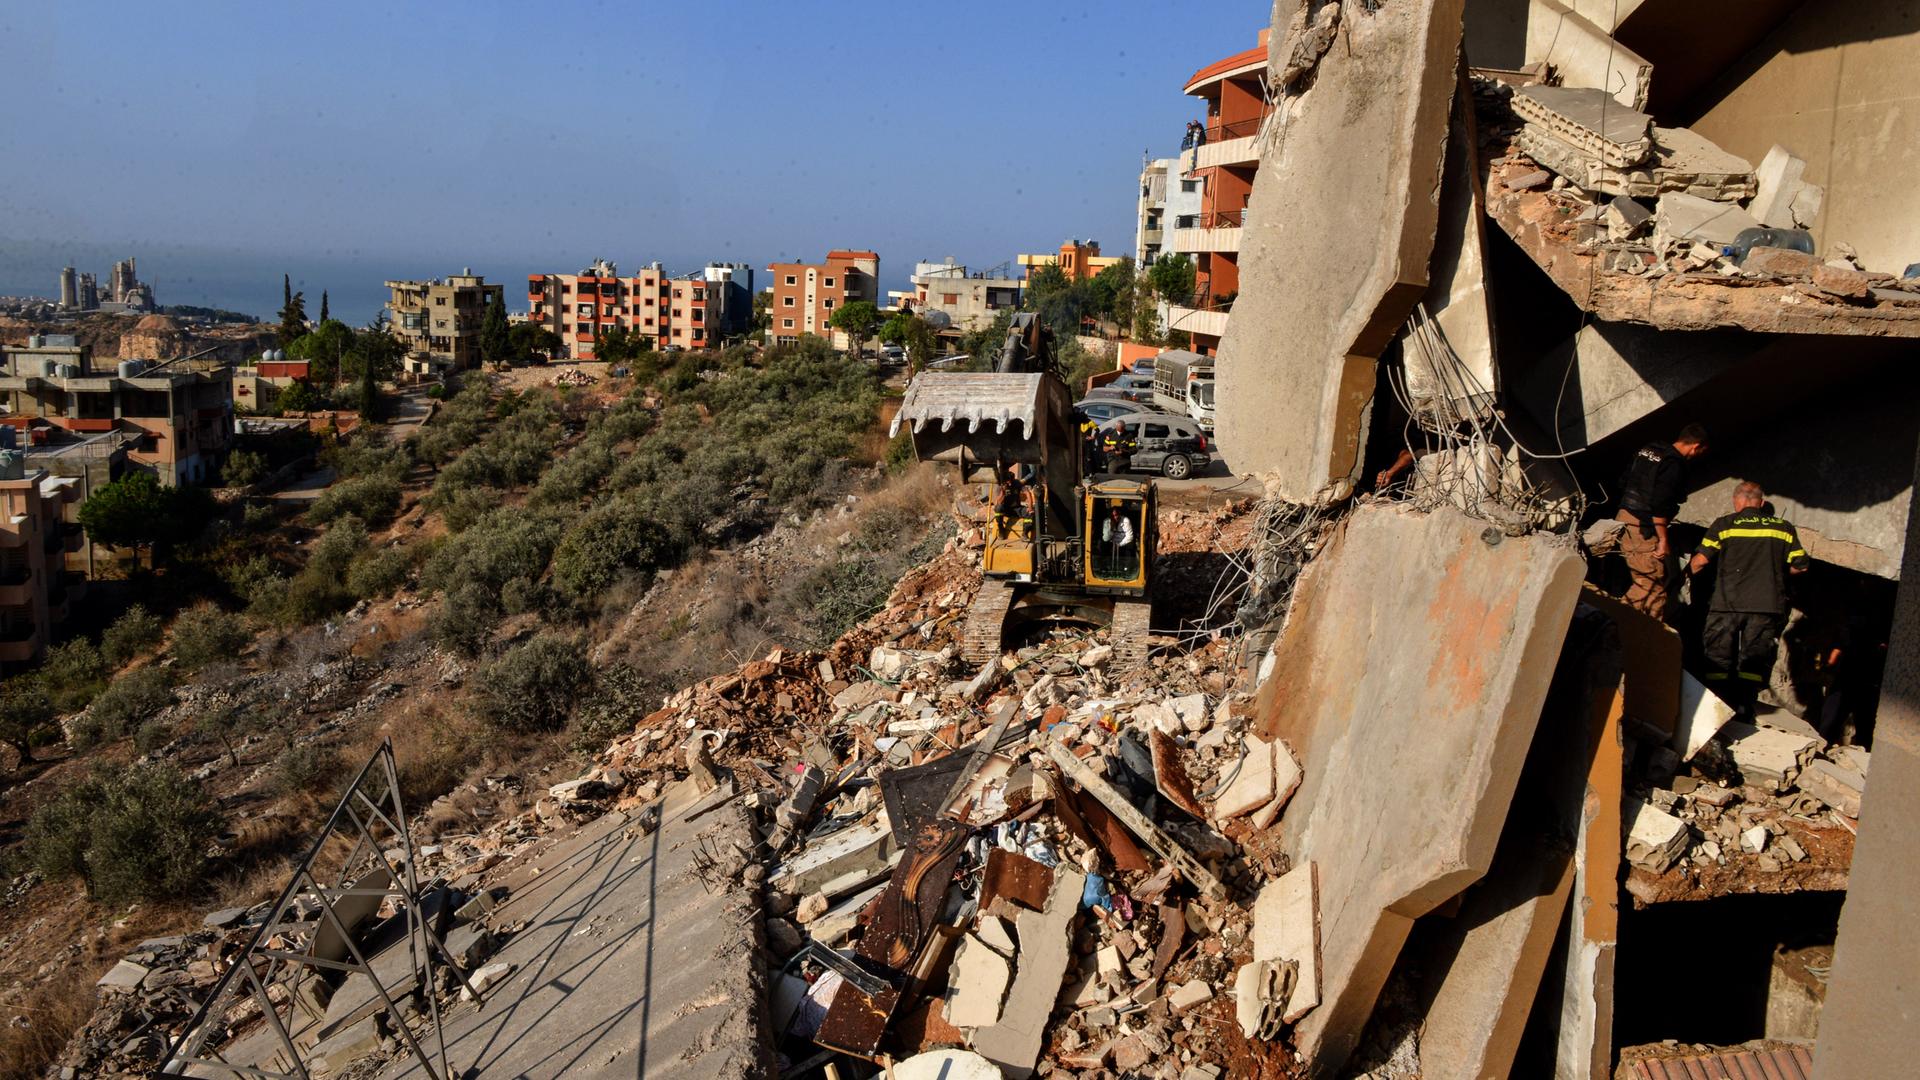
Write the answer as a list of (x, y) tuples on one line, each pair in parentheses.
[(1090, 446), (1117, 445), (1650, 495), (1753, 552)]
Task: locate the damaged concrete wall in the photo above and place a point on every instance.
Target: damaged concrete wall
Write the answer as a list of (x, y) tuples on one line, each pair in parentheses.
[(1410, 677), (1870, 1025), (1338, 235), (1571, 36), (1836, 84)]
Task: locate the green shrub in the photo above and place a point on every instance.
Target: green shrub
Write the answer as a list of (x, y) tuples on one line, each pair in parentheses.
[(244, 467), (137, 833), (75, 673), (534, 685), (151, 735), (621, 698), (504, 545), (618, 537), (378, 573), (26, 714), (843, 593), (129, 700), (465, 618), (207, 634), (373, 497), (136, 631), (259, 517), (307, 768)]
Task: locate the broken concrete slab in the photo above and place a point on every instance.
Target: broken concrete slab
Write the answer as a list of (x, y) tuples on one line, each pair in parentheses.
[(1407, 772), (981, 972), (1585, 54), (1342, 220), (945, 1065), (1286, 929), (1590, 120), (1767, 758), (1835, 785), (1267, 773), (1456, 301), (125, 975), (1496, 949), (1140, 824), (1681, 218), (1655, 838), (1046, 948)]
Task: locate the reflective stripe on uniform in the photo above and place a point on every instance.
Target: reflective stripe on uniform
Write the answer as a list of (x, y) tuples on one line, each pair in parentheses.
[(1709, 542), (1796, 553), (1750, 677), (1781, 535)]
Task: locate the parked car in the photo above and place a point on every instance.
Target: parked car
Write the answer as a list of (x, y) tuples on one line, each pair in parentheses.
[(1103, 409), (1172, 446), (1130, 385)]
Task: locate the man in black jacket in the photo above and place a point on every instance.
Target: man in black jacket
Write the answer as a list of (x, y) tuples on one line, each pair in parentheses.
[(1650, 496), (1753, 551)]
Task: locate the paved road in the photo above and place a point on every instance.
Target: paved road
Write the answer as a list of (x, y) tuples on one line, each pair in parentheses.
[(628, 967)]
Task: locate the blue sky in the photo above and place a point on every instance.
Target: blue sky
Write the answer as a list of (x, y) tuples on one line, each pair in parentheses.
[(538, 135)]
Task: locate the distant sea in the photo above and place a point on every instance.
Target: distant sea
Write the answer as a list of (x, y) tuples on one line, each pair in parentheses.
[(249, 282)]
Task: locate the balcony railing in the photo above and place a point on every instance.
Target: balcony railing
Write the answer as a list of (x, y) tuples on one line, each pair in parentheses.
[(1208, 300), (1239, 129), (1223, 219)]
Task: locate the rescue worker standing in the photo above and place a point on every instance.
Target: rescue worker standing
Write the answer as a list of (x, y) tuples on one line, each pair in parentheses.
[(1090, 446), (1117, 445), (1752, 551), (1650, 495)]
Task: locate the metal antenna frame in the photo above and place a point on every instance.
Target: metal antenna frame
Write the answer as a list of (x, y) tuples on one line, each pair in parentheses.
[(424, 947)]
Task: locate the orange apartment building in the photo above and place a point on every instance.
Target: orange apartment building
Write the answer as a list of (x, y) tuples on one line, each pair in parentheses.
[(694, 312), (806, 294), (1234, 90), (1078, 259)]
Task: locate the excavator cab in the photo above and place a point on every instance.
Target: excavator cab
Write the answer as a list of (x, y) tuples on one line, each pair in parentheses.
[(1059, 549)]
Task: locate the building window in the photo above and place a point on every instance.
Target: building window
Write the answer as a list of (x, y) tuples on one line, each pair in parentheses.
[(439, 301), (1189, 186), (786, 301), (790, 280), (829, 303), (828, 282), (786, 324), (950, 299), (676, 331)]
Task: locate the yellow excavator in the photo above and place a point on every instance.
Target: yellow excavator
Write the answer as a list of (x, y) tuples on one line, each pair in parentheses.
[(1063, 548)]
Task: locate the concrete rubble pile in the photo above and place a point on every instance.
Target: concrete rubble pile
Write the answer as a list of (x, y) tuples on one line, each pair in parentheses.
[(1649, 201)]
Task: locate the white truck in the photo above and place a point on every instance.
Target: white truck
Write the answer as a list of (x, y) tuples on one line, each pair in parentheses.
[(1183, 384)]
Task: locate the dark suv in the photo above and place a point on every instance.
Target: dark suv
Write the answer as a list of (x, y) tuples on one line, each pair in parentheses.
[(1172, 446)]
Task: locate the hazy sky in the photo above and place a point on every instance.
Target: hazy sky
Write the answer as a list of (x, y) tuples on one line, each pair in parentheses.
[(548, 133)]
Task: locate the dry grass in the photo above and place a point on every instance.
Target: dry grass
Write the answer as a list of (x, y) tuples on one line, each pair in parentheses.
[(52, 1011)]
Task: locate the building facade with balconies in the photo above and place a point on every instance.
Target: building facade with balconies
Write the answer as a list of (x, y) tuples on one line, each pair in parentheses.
[(805, 295), (439, 320), (175, 418), (969, 301), (693, 312), (1223, 164), (1169, 200), (36, 591)]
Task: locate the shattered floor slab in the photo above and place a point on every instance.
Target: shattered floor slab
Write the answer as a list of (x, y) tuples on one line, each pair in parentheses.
[(1411, 741), (628, 965)]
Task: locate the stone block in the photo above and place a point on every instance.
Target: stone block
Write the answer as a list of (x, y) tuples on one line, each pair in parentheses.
[(1408, 771), (1189, 996), (1654, 838), (1267, 773), (1286, 929), (1840, 281), (125, 975), (1780, 263), (333, 1054), (978, 984), (1702, 715), (1776, 183), (1588, 119)]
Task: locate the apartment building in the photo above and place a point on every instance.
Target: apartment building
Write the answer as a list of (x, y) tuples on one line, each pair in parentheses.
[(176, 417), (439, 320), (1078, 259), (697, 311), (1169, 199), (806, 294), (36, 590), (1220, 170), (968, 301)]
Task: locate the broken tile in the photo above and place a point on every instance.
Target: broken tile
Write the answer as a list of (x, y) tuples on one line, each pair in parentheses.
[(1654, 838)]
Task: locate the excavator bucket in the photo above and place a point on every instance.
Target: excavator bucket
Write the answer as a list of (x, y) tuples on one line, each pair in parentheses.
[(976, 419)]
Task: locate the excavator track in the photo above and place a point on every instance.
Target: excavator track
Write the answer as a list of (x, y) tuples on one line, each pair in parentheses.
[(986, 622), (1128, 635)]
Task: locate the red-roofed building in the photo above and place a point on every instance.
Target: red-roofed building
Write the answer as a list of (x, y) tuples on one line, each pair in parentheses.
[(806, 294)]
